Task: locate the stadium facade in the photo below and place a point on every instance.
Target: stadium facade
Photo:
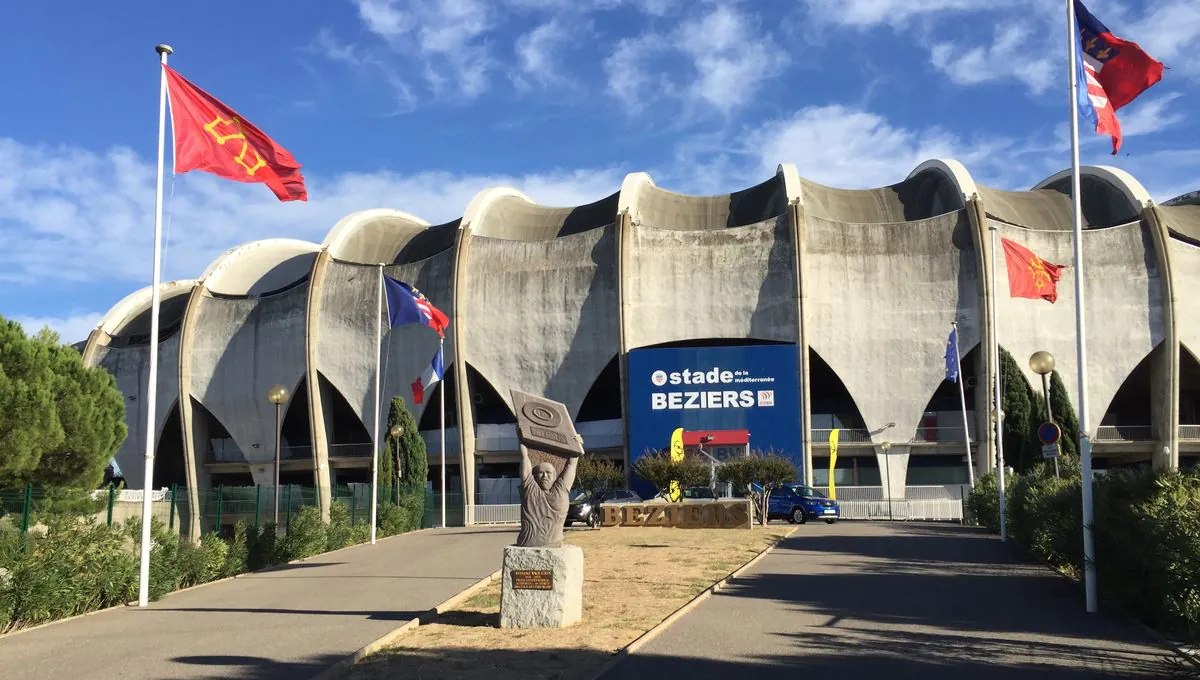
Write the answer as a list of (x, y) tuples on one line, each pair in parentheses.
[(862, 285)]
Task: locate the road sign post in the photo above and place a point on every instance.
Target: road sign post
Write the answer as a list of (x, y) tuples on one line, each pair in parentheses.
[(1049, 435)]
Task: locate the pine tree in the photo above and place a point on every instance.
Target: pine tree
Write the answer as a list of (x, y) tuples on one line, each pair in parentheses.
[(29, 424)]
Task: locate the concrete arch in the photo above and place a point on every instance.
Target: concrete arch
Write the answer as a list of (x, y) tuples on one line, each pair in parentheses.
[(651, 206), (373, 236), (128, 320), (1190, 198), (260, 268), (1110, 196), (926, 192), (951, 170), (518, 218), (790, 178)]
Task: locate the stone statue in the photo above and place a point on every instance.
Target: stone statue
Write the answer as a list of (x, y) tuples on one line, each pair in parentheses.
[(545, 498)]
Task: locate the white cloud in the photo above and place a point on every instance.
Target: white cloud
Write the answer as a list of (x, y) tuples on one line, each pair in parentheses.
[(1007, 57), (71, 329), (848, 147), (443, 36), (1168, 31), (72, 215), (896, 13), (536, 51), (1147, 116), (729, 59)]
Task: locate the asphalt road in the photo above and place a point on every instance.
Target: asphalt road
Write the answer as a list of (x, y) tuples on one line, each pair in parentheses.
[(285, 624), (897, 601)]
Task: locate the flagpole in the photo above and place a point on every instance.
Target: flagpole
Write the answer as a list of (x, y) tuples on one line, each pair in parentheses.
[(378, 405), (1085, 443), (155, 302), (442, 416), (998, 411), (962, 395)]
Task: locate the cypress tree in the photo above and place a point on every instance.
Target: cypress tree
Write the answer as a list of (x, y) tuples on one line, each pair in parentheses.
[(1018, 415), (1064, 415), (412, 458)]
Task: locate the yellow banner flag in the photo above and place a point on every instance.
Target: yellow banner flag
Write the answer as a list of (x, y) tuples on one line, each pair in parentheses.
[(833, 444), (676, 456)]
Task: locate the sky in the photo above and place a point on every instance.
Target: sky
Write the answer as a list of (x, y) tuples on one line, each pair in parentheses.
[(419, 104)]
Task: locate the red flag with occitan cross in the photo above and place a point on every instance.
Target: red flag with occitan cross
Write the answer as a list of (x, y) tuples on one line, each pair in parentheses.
[(1029, 276), (212, 137)]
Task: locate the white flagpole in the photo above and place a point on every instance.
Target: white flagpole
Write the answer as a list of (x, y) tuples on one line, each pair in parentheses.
[(1085, 442), (962, 395), (998, 412), (378, 405), (442, 396), (155, 301)]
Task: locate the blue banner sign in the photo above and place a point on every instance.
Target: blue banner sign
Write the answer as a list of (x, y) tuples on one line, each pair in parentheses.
[(751, 387)]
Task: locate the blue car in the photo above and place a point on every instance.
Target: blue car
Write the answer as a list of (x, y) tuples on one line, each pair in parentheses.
[(798, 503)]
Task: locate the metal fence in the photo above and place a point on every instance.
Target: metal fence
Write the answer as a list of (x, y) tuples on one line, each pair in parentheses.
[(494, 514), (940, 503), (1189, 431)]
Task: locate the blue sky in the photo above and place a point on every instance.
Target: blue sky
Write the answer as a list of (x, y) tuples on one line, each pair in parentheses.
[(418, 104)]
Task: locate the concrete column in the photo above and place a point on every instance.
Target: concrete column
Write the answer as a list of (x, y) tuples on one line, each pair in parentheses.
[(466, 415), (317, 418), (796, 213), (985, 445), (623, 226), (1164, 372), (195, 431), (893, 470)]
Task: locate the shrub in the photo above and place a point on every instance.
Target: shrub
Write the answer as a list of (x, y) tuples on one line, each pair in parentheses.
[(758, 474), (658, 469), (238, 553), (261, 548), (306, 536), (597, 475), (393, 519), (214, 553)]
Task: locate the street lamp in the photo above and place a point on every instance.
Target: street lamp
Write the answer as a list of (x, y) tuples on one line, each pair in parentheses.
[(277, 395), (887, 472), (395, 432), (1042, 363)]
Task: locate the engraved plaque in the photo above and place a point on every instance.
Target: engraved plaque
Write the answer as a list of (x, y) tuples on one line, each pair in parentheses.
[(532, 579), (545, 425)]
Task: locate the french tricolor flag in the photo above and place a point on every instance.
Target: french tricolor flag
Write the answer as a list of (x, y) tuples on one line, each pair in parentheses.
[(429, 378), (1110, 73)]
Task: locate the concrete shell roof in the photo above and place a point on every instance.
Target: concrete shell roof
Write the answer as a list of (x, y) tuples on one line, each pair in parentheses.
[(651, 206), (1182, 220), (131, 316), (1111, 196), (925, 193), (372, 236), (260, 268), (511, 215)]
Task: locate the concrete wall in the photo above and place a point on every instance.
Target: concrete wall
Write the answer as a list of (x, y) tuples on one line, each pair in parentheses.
[(1185, 266), (909, 281), (542, 316), (247, 346), (728, 283), (130, 367), (1124, 308)]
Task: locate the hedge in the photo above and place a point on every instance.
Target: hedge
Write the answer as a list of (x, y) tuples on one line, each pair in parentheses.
[(1147, 536), (79, 565)]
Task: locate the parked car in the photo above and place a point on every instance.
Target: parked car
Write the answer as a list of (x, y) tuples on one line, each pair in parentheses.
[(698, 492), (586, 509), (798, 503)]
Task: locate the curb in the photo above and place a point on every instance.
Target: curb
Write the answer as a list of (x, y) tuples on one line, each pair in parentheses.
[(244, 574), (343, 666), (648, 636)]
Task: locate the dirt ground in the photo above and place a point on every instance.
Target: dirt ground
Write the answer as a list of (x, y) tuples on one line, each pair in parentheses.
[(633, 579)]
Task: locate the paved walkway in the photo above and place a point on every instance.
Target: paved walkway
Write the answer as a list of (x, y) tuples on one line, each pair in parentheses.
[(896, 601), (285, 624)]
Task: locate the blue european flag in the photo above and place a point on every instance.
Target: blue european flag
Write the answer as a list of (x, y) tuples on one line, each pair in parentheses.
[(952, 356)]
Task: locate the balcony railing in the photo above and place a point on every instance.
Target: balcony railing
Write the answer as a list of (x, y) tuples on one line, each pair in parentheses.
[(226, 451), (1124, 433), (845, 437), (1189, 431), (948, 435)]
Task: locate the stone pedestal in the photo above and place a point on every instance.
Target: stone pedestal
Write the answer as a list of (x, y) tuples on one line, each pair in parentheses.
[(541, 587)]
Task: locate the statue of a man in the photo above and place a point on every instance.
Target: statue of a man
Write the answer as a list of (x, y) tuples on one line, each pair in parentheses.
[(544, 502)]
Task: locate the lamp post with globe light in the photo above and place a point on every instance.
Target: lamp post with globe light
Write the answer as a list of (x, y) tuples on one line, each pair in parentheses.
[(277, 395), (1042, 363), (395, 432)]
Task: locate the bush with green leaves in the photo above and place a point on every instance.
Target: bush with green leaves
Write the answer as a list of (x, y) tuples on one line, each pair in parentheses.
[(758, 475), (592, 475), (306, 536), (658, 469)]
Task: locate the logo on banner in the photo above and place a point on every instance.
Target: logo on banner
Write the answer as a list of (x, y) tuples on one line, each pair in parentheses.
[(766, 397), (659, 378)]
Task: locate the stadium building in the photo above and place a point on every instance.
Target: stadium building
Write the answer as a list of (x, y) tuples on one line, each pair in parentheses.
[(781, 312)]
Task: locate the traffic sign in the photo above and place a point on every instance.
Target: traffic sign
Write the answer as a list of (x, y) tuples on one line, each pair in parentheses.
[(1050, 451), (1049, 433)]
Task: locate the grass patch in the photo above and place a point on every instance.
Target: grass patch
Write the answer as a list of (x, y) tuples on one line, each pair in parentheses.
[(627, 590)]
